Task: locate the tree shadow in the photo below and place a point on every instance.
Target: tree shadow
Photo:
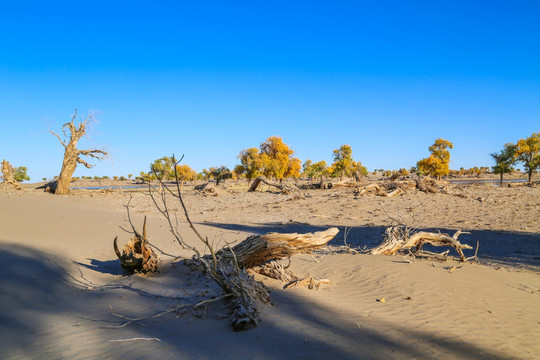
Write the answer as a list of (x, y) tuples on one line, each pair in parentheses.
[(111, 267), (45, 315)]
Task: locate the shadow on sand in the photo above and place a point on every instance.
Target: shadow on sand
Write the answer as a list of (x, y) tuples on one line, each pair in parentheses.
[(501, 247), (43, 315)]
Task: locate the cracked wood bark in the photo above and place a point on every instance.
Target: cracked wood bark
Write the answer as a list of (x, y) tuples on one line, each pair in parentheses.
[(256, 250)]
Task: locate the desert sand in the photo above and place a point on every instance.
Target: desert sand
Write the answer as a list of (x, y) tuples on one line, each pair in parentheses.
[(60, 278)]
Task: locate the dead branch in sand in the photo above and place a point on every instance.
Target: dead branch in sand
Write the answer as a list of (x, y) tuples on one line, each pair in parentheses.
[(229, 266), (395, 241), (137, 256)]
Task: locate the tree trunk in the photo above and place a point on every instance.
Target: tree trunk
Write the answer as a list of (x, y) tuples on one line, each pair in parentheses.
[(501, 178), (68, 168), (72, 155)]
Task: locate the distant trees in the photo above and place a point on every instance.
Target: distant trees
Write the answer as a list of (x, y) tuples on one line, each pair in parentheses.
[(251, 163), (219, 174), (437, 164), (163, 168), (13, 175), (273, 159), (527, 151), (72, 155), (344, 165), (185, 173), (315, 170), (342, 161), (504, 160)]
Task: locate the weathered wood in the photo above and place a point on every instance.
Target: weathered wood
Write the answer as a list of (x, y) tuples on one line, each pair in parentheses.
[(285, 188), (137, 256), (345, 183), (396, 239), (72, 155), (426, 185), (377, 190), (258, 249)]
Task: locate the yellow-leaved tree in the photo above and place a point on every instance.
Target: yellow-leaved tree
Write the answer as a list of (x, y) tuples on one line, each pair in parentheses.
[(251, 163), (528, 152), (185, 173), (437, 164), (273, 159), (276, 155)]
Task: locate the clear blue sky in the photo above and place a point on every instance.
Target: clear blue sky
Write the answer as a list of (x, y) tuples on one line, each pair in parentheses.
[(207, 79)]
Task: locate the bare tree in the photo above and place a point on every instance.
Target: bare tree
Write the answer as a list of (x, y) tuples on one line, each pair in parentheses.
[(72, 155)]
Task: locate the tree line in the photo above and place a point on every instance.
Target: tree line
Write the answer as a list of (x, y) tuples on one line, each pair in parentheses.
[(275, 159)]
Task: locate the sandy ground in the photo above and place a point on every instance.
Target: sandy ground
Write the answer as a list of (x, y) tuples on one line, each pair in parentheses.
[(60, 277)]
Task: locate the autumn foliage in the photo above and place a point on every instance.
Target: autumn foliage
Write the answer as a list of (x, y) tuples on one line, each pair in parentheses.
[(437, 164), (273, 159)]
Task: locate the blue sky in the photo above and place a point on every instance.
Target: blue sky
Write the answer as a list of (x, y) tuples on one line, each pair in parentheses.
[(208, 79)]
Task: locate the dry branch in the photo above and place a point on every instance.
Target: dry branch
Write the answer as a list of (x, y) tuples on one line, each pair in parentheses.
[(395, 241)]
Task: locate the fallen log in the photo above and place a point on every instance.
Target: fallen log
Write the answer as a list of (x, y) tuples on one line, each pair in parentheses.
[(285, 188), (426, 186), (256, 250), (377, 190), (345, 183), (396, 239)]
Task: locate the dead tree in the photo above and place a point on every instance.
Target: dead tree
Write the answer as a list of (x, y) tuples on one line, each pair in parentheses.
[(8, 173), (72, 155)]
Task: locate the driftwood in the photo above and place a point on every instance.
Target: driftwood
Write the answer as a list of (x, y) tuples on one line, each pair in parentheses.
[(259, 254), (258, 249), (397, 238), (285, 188), (137, 256)]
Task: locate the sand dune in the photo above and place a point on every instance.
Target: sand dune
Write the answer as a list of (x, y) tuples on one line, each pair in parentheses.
[(60, 275)]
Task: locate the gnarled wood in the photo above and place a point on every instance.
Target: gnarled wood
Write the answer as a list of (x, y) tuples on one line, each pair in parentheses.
[(137, 256), (396, 239), (258, 249), (72, 155)]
